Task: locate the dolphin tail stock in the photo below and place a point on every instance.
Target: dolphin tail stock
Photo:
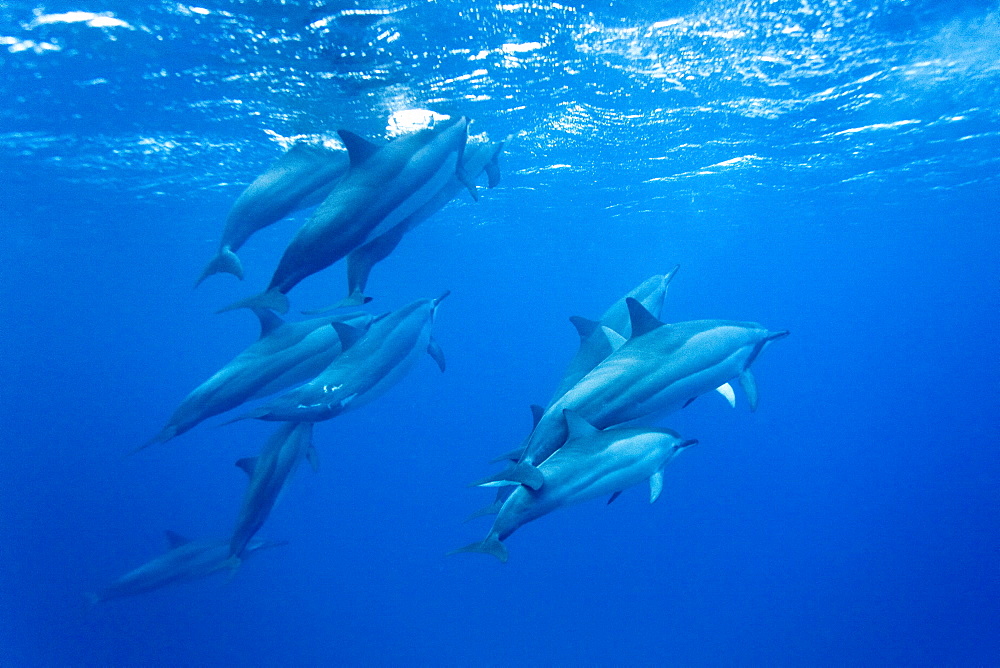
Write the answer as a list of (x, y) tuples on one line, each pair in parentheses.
[(356, 298), (521, 473), (271, 298), (490, 545), (226, 262), (165, 435), (502, 495), (511, 455)]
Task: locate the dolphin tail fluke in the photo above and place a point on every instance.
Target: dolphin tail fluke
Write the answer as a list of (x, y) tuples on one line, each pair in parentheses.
[(225, 262), (518, 474), (269, 299), (491, 545), (511, 455)]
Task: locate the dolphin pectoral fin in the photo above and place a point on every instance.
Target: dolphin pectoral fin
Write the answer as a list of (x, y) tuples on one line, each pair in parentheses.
[(269, 299), (614, 496), (356, 298), (248, 464), (655, 486), (502, 495), (749, 386), (226, 261), (726, 390), (577, 426), (518, 474), (313, 458), (434, 350), (511, 455), (536, 415), (469, 184), (491, 545), (269, 320)]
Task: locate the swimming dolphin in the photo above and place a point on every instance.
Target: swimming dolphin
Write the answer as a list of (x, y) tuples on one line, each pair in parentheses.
[(186, 560), (300, 178), (596, 342), (285, 355), (660, 369), (371, 363), (381, 188), (591, 463), (476, 159), (268, 473)]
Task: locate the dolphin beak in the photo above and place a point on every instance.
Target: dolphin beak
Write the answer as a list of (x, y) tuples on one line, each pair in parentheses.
[(441, 298), (685, 444)]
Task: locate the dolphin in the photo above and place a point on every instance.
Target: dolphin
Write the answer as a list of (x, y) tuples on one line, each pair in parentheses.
[(268, 473), (285, 355), (299, 179), (186, 560), (590, 464), (371, 363), (660, 369), (382, 186), (476, 159), (596, 342)]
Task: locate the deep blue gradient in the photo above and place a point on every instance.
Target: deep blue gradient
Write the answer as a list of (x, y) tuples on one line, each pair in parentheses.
[(827, 169)]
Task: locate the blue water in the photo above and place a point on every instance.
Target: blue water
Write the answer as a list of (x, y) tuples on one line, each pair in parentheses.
[(824, 167)]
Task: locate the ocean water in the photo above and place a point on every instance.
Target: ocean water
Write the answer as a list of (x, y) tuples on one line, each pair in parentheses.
[(822, 166)]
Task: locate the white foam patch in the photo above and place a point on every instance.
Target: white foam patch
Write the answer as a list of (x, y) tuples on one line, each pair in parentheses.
[(102, 20)]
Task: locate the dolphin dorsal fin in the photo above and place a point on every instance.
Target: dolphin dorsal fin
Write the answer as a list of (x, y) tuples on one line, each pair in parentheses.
[(578, 426), (269, 320), (348, 335), (492, 168), (536, 414), (614, 338), (584, 326), (642, 320), (175, 540), (248, 464), (359, 149)]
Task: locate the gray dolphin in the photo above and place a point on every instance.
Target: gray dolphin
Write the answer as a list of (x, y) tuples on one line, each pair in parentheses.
[(476, 159), (660, 369), (186, 560), (381, 188), (286, 354), (590, 464), (300, 178), (596, 342), (268, 473), (371, 364)]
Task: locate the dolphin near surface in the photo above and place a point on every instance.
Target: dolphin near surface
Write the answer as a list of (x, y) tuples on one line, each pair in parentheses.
[(285, 355), (382, 186), (660, 369), (590, 464), (477, 158), (299, 179), (372, 362), (268, 472), (186, 560)]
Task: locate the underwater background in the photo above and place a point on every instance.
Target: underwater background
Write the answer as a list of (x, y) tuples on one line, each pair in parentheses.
[(822, 166)]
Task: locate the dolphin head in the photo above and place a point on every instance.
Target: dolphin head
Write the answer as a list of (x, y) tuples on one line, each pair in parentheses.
[(764, 341)]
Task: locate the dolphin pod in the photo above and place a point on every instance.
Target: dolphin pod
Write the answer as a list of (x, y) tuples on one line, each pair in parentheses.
[(593, 438), (591, 463), (300, 178), (382, 187)]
